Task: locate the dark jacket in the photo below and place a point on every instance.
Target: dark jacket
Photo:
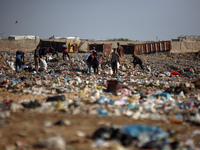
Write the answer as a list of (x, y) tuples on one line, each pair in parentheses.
[(95, 62), (90, 58), (137, 60)]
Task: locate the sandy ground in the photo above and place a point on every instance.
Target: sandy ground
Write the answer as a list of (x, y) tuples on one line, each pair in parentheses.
[(28, 128)]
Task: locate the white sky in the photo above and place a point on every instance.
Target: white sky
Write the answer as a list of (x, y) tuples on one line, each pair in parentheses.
[(101, 19)]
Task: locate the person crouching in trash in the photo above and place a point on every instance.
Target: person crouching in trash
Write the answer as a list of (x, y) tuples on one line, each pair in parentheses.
[(65, 51), (137, 60), (19, 58), (43, 51), (89, 61)]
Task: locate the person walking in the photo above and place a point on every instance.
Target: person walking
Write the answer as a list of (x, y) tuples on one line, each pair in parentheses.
[(114, 60), (65, 51), (19, 58), (137, 60), (37, 58)]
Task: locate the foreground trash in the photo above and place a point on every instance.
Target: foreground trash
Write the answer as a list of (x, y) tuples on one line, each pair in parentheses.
[(140, 136)]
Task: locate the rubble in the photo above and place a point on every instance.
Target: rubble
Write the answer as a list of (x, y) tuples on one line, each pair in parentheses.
[(168, 90)]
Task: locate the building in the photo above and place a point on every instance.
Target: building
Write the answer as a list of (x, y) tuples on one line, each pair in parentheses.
[(56, 43), (22, 37)]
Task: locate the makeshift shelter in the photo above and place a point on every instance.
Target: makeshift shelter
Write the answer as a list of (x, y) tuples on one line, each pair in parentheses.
[(101, 47)]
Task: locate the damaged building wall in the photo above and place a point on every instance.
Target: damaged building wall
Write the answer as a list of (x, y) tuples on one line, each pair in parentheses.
[(185, 46), (186, 43), (26, 44)]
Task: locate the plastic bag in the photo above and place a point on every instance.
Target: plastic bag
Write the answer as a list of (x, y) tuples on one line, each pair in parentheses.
[(118, 65), (43, 64), (50, 57), (123, 68)]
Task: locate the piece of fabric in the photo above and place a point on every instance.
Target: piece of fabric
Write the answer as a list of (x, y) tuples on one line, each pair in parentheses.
[(65, 50), (86, 57), (90, 58), (175, 73)]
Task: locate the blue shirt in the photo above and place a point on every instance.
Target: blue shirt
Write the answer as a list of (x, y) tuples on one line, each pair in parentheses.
[(19, 55)]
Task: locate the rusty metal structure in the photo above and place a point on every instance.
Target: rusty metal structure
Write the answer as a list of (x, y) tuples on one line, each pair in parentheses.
[(101, 47), (133, 47), (130, 47), (152, 47)]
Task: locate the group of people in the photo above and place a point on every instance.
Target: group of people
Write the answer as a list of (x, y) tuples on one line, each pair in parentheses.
[(91, 59), (40, 52), (117, 54)]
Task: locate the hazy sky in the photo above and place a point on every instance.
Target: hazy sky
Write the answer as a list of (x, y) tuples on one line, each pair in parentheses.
[(142, 20)]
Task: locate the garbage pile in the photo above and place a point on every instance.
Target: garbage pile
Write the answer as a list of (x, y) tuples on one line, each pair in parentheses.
[(168, 90)]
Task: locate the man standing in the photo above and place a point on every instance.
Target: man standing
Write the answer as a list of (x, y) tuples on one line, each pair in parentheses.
[(114, 59), (120, 49), (37, 58), (137, 60)]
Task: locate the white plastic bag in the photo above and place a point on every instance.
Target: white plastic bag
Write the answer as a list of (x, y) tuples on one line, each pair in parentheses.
[(149, 68), (50, 57), (118, 65), (123, 68), (110, 70), (43, 64)]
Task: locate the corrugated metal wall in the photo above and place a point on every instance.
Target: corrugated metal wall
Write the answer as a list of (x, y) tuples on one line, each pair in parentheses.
[(107, 48), (56, 45), (103, 48), (129, 49), (152, 47), (144, 48)]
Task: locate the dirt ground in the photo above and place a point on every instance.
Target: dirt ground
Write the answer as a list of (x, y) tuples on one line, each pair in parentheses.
[(28, 128), (25, 128)]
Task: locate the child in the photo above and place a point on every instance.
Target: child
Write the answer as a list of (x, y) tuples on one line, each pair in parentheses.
[(95, 63), (65, 51)]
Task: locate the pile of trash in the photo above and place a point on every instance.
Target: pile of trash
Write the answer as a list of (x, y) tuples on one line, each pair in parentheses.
[(168, 90)]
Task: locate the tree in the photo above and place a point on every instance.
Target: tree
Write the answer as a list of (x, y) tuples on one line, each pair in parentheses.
[(120, 39)]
